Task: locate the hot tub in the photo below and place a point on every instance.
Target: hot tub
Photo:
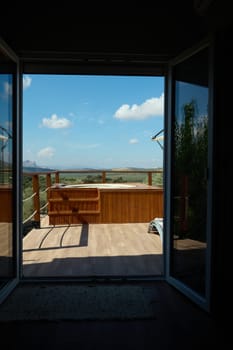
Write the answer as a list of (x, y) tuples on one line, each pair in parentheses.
[(101, 185), (104, 203)]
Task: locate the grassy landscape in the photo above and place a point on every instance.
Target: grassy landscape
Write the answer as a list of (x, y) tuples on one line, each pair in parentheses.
[(111, 178)]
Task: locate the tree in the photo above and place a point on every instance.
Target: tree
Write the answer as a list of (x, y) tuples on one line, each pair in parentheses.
[(190, 163)]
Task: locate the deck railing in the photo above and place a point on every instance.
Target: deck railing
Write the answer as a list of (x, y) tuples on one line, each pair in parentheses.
[(38, 193)]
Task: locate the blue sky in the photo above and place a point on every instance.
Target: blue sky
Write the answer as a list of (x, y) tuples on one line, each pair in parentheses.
[(92, 121)]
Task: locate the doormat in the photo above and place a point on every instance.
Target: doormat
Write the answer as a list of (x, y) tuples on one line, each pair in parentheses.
[(77, 302)]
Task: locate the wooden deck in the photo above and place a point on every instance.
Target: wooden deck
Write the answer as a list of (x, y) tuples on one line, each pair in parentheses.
[(6, 250), (92, 250)]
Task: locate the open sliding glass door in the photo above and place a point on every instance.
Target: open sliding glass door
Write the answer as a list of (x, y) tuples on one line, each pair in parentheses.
[(188, 180), (9, 171)]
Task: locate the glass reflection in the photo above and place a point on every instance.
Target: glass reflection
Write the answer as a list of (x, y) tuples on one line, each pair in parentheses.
[(6, 174), (190, 148)]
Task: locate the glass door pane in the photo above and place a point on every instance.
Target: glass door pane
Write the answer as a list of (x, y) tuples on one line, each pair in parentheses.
[(189, 205), (7, 110)]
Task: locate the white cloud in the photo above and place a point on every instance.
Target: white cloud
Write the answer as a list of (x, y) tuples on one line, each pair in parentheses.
[(133, 141), (26, 82), (7, 88), (54, 122), (46, 152), (150, 108)]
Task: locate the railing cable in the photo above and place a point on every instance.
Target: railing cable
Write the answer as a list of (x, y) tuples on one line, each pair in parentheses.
[(30, 217), (26, 199)]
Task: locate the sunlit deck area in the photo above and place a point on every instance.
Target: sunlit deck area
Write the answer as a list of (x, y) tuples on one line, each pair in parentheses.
[(92, 250)]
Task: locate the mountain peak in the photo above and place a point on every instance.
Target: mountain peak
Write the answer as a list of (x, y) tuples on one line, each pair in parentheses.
[(29, 164)]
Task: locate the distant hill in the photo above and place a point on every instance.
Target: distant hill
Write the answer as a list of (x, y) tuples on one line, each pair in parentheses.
[(31, 166), (134, 169), (36, 169)]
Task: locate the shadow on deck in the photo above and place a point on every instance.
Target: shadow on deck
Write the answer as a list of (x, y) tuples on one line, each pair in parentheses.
[(92, 250)]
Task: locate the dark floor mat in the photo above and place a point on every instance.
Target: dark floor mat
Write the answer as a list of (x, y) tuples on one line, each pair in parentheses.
[(77, 302)]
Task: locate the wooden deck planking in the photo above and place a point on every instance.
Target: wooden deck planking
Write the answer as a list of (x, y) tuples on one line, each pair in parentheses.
[(6, 239), (6, 250), (92, 250)]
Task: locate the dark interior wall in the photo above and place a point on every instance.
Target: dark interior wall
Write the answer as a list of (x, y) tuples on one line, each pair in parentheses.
[(165, 29), (222, 157)]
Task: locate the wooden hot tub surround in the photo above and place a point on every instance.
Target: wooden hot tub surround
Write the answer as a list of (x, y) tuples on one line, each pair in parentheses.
[(139, 203)]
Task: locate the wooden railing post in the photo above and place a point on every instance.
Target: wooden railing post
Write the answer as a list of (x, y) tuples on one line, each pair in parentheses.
[(36, 198), (150, 178), (48, 184), (57, 177), (103, 177)]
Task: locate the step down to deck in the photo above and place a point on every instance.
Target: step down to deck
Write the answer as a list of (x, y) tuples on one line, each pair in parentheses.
[(74, 212), (69, 204)]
